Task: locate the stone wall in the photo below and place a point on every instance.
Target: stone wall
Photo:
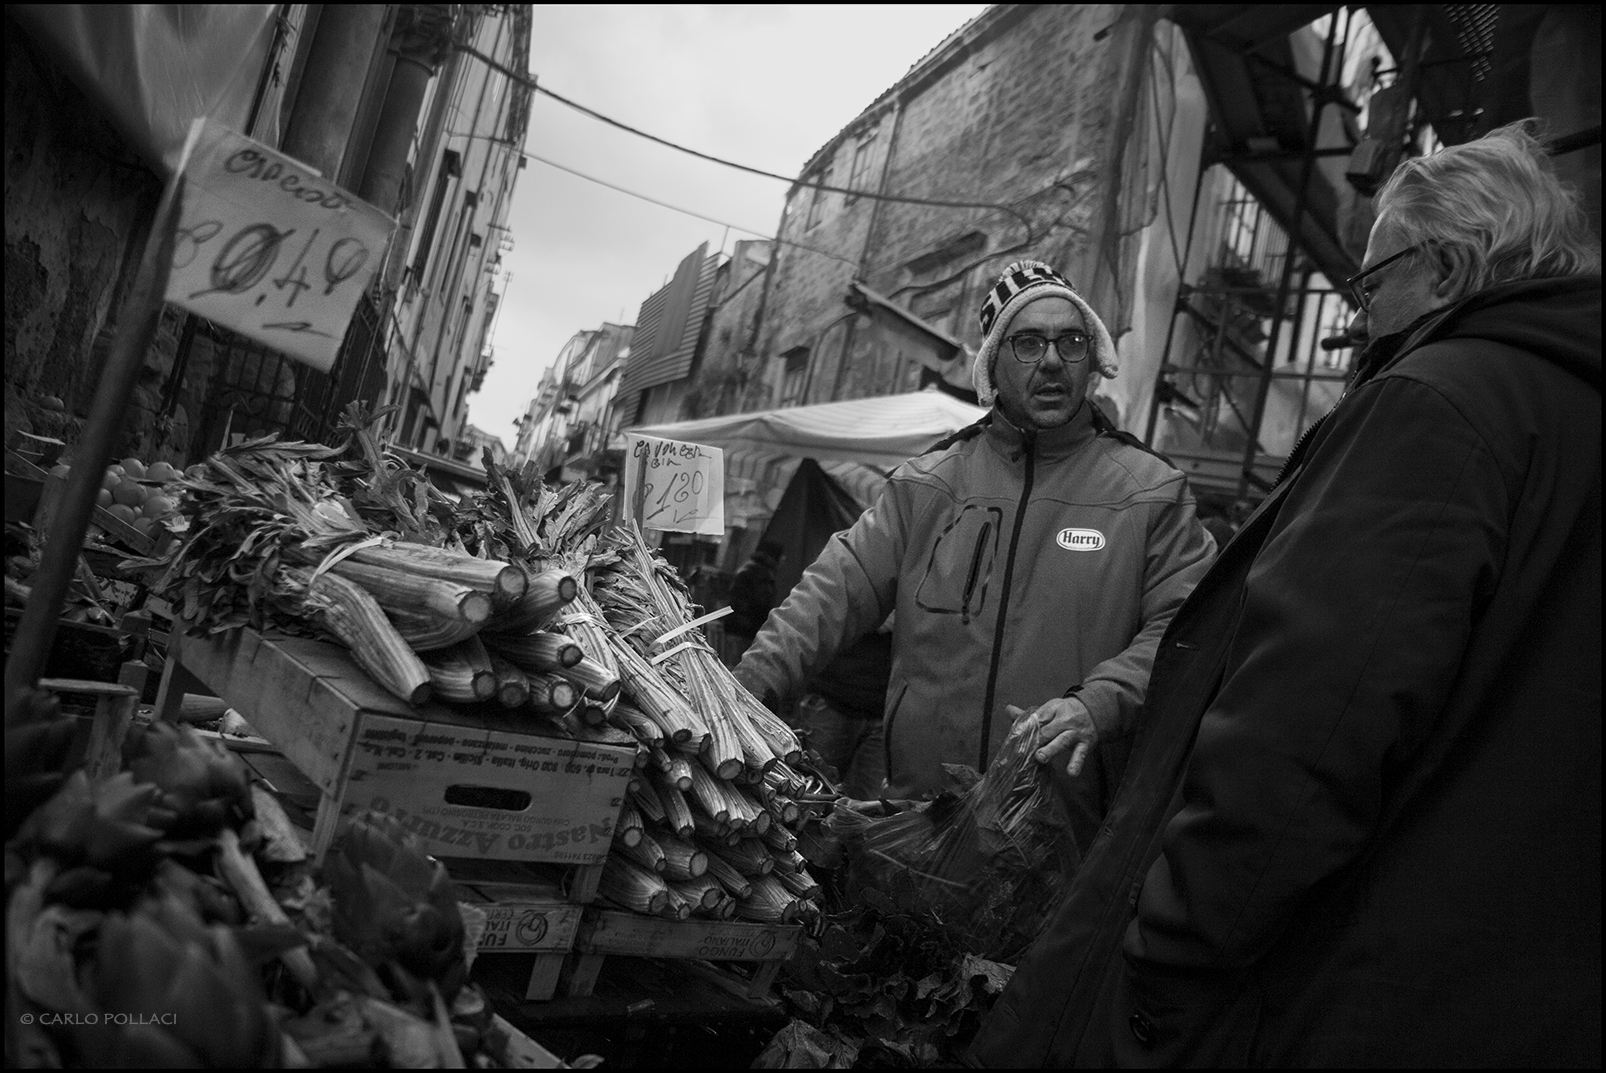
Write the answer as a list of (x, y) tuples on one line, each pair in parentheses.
[(1028, 107), (78, 202)]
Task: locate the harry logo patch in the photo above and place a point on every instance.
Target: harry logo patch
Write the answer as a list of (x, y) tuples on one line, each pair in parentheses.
[(1080, 539)]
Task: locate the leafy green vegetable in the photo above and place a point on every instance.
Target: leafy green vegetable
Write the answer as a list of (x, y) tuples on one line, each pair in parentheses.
[(878, 987)]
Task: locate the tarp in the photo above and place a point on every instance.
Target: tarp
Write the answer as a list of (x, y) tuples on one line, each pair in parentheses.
[(883, 432), (813, 507), (155, 67)]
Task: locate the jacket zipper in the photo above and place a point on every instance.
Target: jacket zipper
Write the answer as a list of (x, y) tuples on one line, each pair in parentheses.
[(1030, 445), (975, 569), (1292, 461)]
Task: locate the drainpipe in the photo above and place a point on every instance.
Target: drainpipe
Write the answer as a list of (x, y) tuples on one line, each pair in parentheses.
[(332, 84), (852, 335), (750, 349), (420, 42), (886, 181), (1106, 266), (1296, 244)]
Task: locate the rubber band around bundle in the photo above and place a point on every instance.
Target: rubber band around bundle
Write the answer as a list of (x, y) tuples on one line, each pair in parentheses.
[(693, 624), (339, 555), (682, 647)]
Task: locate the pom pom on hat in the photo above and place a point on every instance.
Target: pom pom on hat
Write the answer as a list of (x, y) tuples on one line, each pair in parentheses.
[(1021, 284)]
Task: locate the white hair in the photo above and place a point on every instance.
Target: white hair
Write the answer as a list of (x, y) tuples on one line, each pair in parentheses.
[(1496, 199)]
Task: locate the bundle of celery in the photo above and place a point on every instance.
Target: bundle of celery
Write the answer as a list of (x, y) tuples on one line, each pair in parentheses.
[(708, 823), (282, 534), (710, 826)]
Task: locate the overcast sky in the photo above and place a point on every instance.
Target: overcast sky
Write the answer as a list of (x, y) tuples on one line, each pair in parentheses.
[(765, 86)]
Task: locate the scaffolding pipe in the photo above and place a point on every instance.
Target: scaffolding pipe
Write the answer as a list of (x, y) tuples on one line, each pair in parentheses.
[(1182, 287), (1320, 100)]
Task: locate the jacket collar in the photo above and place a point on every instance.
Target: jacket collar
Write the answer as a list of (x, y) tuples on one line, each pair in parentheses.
[(1440, 323), (1048, 444)]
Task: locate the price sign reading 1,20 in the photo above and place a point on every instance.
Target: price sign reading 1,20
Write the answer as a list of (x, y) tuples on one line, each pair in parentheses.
[(267, 247), (675, 486)]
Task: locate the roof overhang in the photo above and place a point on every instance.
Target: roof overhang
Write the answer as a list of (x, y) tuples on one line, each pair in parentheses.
[(883, 431)]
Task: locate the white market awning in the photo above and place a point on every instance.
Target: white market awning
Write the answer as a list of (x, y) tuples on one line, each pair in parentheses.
[(883, 432)]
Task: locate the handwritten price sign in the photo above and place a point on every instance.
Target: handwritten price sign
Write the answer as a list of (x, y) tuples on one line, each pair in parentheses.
[(268, 248), (675, 486)]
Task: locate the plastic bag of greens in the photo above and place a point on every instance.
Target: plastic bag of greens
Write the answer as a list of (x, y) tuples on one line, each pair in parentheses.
[(984, 862)]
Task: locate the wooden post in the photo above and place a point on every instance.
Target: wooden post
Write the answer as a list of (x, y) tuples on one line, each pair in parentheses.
[(583, 883), (544, 977), (114, 714), (580, 974), (136, 327)]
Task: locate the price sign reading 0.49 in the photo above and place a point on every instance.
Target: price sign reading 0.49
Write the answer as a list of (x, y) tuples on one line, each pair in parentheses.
[(267, 247), (679, 487)]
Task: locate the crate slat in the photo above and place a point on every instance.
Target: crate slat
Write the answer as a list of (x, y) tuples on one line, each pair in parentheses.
[(697, 943), (467, 784)]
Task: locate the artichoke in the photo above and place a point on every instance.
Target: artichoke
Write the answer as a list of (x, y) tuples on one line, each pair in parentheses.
[(38, 737), (393, 903), (91, 844), (204, 787), (173, 991)]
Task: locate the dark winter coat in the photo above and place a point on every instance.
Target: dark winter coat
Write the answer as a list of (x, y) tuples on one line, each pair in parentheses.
[(1362, 823)]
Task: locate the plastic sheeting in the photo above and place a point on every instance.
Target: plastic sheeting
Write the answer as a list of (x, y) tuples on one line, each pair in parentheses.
[(882, 432), (153, 68)]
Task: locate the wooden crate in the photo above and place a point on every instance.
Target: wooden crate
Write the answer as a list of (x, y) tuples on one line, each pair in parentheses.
[(468, 784), (609, 932), (524, 915)]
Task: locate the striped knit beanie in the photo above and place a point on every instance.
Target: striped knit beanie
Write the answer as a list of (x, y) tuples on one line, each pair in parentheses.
[(1022, 283)]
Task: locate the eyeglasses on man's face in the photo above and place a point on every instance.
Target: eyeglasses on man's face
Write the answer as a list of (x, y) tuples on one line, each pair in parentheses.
[(1029, 348), (1361, 290)]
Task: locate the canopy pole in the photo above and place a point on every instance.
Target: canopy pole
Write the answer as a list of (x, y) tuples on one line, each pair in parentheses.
[(136, 327)]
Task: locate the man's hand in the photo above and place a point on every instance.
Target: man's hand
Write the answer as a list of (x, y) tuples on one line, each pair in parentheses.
[(1065, 724)]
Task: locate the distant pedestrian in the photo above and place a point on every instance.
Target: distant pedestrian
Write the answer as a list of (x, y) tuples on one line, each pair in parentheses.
[(752, 592), (841, 712)]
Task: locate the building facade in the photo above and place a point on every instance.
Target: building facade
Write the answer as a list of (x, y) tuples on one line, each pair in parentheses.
[(370, 95), (1031, 120), (447, 256), (568, 425)]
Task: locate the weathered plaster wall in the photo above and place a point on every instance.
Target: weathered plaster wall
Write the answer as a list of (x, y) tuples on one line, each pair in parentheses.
[(78, 203)]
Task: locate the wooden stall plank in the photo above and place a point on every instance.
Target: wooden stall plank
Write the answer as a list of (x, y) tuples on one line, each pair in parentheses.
[(114, 714), (292, 692), (516, 1050), (615, 932), (696, 944)]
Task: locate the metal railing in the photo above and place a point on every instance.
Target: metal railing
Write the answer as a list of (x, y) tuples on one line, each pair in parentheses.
[(257, 390)]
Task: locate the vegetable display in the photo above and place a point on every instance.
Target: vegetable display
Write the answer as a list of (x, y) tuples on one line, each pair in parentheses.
[(513, 598), (169, 916)]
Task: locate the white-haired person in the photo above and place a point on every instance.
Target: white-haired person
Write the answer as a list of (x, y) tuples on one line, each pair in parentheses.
[(1033, 561), (1364, 827)]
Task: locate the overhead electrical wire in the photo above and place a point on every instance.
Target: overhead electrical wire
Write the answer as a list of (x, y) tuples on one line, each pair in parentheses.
[(677, 208), (528, 82)]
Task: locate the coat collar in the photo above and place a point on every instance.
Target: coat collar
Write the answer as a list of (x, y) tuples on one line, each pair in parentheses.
[(1049, 444)]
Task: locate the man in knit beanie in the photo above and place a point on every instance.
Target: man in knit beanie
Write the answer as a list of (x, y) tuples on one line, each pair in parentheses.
[(1033, 561)]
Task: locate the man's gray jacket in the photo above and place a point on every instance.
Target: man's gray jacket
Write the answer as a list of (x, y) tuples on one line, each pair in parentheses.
[(1020, 568)]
